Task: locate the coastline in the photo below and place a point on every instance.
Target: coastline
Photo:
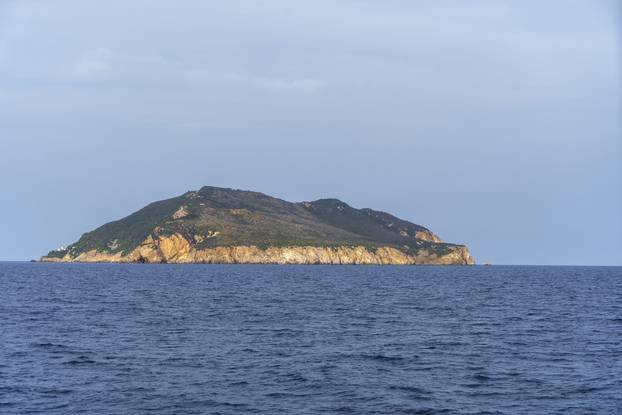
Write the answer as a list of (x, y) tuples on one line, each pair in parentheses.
[(176, 250)]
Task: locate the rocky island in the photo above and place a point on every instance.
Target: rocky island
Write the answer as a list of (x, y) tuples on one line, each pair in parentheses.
[(227, 226)]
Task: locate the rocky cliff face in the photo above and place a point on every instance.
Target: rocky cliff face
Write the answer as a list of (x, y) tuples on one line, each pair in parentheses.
[(175, 249), (215, 225)]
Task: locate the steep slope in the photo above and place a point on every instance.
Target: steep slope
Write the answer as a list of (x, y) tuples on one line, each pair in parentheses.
[(219, 225), (369, 223)]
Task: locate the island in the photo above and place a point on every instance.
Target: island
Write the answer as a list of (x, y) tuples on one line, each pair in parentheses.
[(226, 226)]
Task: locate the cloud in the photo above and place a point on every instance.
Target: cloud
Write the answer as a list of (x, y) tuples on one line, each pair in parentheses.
[(306, 86), (139, 70), (207, 78), (94, 64)]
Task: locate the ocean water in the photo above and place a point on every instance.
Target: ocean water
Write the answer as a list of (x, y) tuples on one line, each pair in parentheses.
[(210, 339)]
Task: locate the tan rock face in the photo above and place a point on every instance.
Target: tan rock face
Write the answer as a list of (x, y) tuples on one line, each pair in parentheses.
[(458, 256), (427, 236), (176, 249), (182, 212), (95, 256)]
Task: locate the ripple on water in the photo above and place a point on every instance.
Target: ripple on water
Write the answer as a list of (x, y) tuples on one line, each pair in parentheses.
[(191, 339)]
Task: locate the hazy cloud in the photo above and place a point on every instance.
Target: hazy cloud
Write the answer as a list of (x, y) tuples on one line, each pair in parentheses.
[(94, 64), (235, 80)]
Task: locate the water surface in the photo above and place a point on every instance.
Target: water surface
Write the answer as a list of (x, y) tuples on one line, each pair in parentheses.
[(209, 339)]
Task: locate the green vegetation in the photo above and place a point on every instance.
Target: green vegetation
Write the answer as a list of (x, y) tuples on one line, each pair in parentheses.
[(214, 217), (57, 253), (128, 232)]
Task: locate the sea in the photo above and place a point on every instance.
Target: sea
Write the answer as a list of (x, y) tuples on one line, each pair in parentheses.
[(264, 339)]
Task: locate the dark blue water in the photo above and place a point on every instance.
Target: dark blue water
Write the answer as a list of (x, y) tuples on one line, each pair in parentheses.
[(166, 339)]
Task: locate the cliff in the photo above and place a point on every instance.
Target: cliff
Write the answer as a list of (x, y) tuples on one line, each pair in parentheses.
[(215, 225)]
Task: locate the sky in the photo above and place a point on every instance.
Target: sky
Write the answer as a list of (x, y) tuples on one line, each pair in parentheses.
[(497, 124)]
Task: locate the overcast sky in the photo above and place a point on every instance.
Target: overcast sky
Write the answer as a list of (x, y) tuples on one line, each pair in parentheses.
[(495, 123)]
